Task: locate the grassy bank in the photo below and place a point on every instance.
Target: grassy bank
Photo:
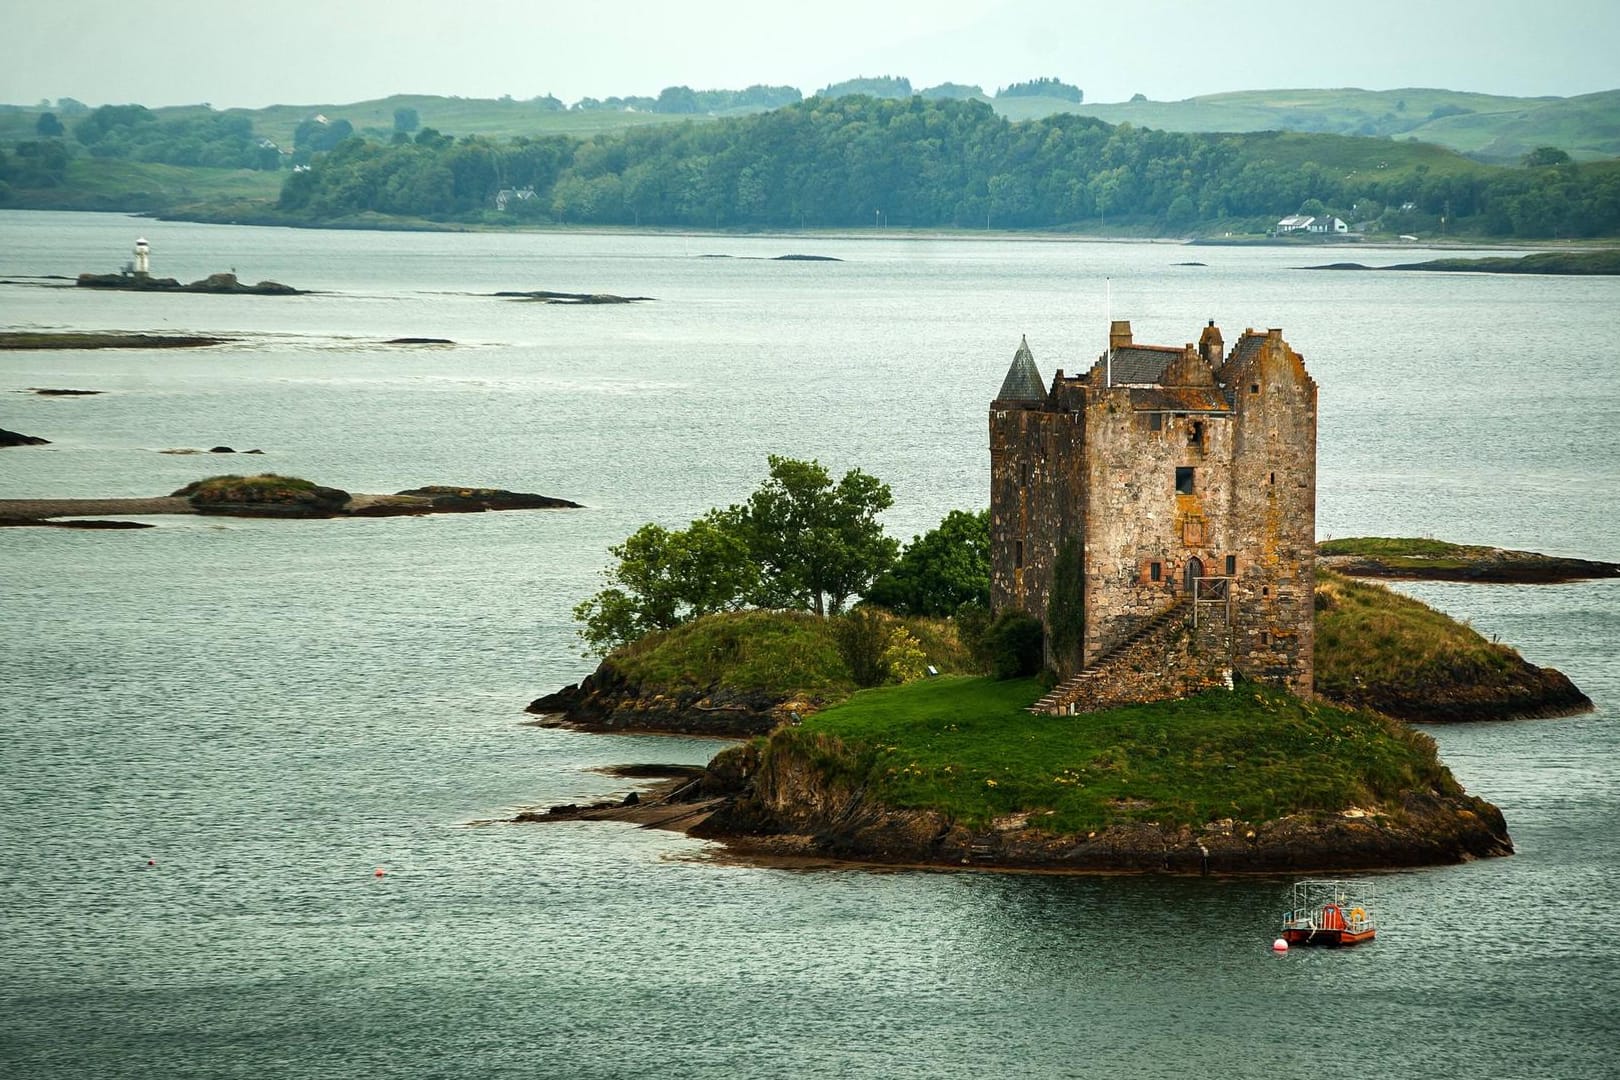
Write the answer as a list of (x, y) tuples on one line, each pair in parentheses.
[(966, 747), (790, 654), (1378, 649)]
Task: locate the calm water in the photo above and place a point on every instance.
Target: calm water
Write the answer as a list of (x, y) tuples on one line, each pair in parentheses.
[(271, 710)]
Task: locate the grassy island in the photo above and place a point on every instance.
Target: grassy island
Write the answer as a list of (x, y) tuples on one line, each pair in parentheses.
[(953, 771), (967, 747)]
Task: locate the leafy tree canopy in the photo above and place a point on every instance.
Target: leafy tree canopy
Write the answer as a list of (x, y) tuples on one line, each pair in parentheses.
[(1044, 87), (941, 570), (1546, 155), (800, 541)]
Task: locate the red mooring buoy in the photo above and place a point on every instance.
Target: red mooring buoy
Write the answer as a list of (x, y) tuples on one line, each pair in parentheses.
[(379, 872), (1279, 946)]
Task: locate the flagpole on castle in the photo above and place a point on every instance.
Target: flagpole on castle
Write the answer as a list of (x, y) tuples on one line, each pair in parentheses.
[(1108, 317)]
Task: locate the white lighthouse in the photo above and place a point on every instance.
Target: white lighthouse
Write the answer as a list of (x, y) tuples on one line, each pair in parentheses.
[(143, 256)]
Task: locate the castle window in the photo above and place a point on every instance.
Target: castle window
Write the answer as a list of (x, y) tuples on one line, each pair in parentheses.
[(1023, 473), (1273, 478), (1155, 421), (1184, 480), (1195, 435), (1265, 590), (1231, 566), (1254, 388), (1265, 638), (1018, 554), (1156, 571)]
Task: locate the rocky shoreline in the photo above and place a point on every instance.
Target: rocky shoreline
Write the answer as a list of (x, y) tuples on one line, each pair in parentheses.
[(414, 501), (769, 807), (1485, 566), (214, 283)]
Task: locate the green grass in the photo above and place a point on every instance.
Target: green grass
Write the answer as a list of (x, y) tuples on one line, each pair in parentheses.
[(1542, 262), (1374, 644), (780, 652), (104, 184), (966, 747), (1385, 546)]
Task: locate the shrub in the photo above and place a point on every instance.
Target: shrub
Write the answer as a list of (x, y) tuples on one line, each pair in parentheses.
[(1011, 645)]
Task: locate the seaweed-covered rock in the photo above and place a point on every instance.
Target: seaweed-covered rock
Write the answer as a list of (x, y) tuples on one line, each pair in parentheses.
[(265, 495), (448, 498)]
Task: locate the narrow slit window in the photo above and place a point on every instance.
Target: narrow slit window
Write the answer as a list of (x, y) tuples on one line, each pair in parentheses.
[(1155, 421), (1254, 388), (1195, 434), (1155, 571), (1231, 566), (1018, 554), (1184, 480), (1273, 478), (1265, 638)]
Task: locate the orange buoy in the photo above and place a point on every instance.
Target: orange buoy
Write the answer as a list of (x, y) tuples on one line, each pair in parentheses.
[(379, 872), (1279, 946)]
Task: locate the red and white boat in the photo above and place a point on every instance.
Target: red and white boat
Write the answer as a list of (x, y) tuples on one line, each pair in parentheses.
[(1331, 913)]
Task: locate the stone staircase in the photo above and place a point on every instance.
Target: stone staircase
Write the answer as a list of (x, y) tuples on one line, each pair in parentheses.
[(1058, 700)]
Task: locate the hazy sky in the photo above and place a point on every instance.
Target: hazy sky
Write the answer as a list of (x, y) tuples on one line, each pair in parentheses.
[(335, 51)]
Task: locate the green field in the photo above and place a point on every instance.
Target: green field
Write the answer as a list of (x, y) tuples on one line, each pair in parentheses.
[(967, 747)]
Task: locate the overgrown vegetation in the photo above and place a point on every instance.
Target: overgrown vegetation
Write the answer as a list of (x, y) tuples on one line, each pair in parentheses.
[(1376, 647), (791, 653), (967, 747), (799, 541)]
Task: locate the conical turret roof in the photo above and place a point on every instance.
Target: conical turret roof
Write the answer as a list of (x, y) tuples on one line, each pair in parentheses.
[(1023, 381)]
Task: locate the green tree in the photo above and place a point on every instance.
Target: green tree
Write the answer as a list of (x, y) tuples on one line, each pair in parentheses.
[(938, 572), (816, 543), (48, 126), (1546, 155), (406, 119), (664, 578)]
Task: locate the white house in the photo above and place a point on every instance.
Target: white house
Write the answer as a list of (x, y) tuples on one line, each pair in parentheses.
[(1305, 223)]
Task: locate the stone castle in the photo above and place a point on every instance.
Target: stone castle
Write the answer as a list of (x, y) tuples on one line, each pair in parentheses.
[(1158, 515)]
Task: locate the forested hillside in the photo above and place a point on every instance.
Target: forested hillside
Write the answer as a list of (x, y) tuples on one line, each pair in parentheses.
[(861, 161)]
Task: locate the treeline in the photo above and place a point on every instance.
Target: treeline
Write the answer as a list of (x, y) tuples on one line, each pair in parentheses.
[(214, 140), (919, 163)]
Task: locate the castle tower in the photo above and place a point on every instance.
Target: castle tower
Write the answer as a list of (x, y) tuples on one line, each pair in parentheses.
[(1165, 486), (143, 256)]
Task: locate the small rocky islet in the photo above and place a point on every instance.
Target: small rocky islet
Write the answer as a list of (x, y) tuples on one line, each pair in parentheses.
[(273, 496)]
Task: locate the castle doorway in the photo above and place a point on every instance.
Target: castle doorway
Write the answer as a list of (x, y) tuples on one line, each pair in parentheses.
[(1195, 569)]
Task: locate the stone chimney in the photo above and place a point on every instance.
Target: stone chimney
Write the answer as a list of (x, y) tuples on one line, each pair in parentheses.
[(1210, 345), (1119, 334)]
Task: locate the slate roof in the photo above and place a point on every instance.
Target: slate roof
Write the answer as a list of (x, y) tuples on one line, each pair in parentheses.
[(1180, 399), (1140, 364), (1023, 381)]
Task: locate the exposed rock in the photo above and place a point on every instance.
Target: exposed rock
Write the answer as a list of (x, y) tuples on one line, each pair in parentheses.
[(15, 339), (419, 341), (213, 283), (46, 391), (543, 296), (606, 701), (448, 498), (17, 438), (221, 450), (784, 796), (8, 521)]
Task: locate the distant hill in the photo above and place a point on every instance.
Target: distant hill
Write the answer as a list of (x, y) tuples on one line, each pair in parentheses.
[(1487, 127)]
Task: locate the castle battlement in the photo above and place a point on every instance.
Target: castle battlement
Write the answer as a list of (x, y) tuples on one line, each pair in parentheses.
[(1161, 474)]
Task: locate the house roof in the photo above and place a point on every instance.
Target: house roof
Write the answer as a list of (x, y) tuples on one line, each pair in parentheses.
[(1295, 221), (1137, 364), (1023, 381)]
